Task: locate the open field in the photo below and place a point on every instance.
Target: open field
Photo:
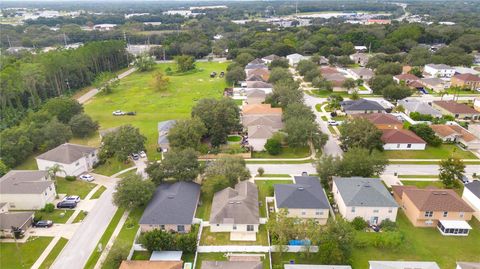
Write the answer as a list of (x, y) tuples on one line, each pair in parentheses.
[(26, 254), (442, 152), (136, 93)]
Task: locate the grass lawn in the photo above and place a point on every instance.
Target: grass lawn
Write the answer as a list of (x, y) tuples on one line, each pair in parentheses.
[(223, 238), (265, 189), (77, 187), (234, 138), (286, 257), (57, 216), (324, 118), (222, 257), (442, 152), (111, 167), (29, 164), (54, 253), (417, 176), (273, 175), (141, 255), (26, 254), (104, 239), (127, 234), (203, 209), (278, 162), (318, 107), (80, 216), (287, 153), (99, 192), (332, 130), (135, 93), (339, 118), (424, 244)]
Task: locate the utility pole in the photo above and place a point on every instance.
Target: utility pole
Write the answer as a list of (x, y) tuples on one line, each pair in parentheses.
[(65, 39), (9, 43)]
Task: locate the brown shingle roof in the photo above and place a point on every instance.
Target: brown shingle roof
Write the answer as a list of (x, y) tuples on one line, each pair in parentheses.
[(467, 77), (455, 107), (261, 109), (436, 200), (409, 77), (151, 265), (444, 130), (401, 136), (379, 118)]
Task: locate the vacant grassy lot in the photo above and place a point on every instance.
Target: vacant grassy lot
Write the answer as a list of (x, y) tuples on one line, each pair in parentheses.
[(54, 253), (26, 254), (136, 93), (112, 166), (57, 216), (265, 189), (442, 152), (222, 257), (77, 187), (287, 153)]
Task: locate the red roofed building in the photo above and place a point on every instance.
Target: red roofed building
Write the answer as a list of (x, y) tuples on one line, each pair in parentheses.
[(407, 78), (400, 139), (381, 120), (466, 81)]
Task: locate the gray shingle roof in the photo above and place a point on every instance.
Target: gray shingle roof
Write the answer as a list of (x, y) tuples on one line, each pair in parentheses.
[(305, 193), (402, 265), (66, 153), (359, 191), (163, 128), (172, 204), (420, 107), (256, 66), (15, 219), (236, 206), (468, 265), (474, 187), (231, 265), (362, 104), (24, 182)]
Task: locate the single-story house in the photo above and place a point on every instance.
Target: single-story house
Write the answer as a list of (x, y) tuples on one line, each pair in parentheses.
[(439, 70), (456, 133), (435, 84), (268, 59), (432, 207), (361, 197), (232, 265), (362, 73), (465, 70), (257, 61), (360, 58), (407, 78), (259, 85), (305, 199), (315, 266), (236, 209), (337, 79), (458, 110), (255, 66), (254, 77), (401, 139), (466, 81), (421, 107), (262, 114), (361, 106), (402, 265), (262, 72), (163, 128), (468, 265), (19, 220), (293, 59), (471, 195), (27, 189), (255, 97), (258, 135), (74, 159), (136, 264), (172, 207), (381, 120)]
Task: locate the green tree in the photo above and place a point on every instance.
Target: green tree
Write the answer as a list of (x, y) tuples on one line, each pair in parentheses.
[(327, 166), (117, 254), (82, 125), (372, 164), (3, 168), (389, 69), (280, 62), (64, 108), (53, 134), (378, 83), (349, 83), (184, 63), (144, 63), (298, 110), (336, 243), (235, 75), (244, 58), (122, 142), (278, 73), (285, 92), (161, 81), (273, 146), (360, 132), (213, 184), (426, 133), (232, 168), (54, 170), (304, 66), (187, 134), (301, 130), (106, 82), (451, 172), (133, 192), (396, 92), (180, 165)]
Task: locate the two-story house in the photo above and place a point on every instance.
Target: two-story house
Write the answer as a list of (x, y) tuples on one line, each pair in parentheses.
[(74, 159)]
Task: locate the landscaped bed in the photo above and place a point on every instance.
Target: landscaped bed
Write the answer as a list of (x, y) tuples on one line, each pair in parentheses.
[(442, 152), (234, 138), (26, 254), (223, 238), (81, 215), (77, 187), (99, 192), (57, 216), (287, 153)]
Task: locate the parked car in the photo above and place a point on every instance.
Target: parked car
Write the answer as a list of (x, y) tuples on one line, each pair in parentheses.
[(213, 74), (332, 123), (87, 177), (131, 113), (43, 224), (142, 154), (72, 198), (222, 74), (67, 204), (304, 174), (118, 113), (465, 179), (135, 156), (375, 228)]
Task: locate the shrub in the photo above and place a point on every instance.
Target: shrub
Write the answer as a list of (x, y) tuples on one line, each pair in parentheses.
[(359, 224), (260, 171), (273, 146), (70, 178), (163, 240), (388, 225), (49, 208), (388, 239)]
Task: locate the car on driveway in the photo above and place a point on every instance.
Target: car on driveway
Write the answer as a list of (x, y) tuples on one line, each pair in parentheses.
[(67, 204), (87, 177), (135, 156), (43, 224), (142, 154), (118, 113), (72, 198), (332, 123)]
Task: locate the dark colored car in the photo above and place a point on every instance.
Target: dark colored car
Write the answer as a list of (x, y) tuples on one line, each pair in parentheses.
[(213, 74), (222, 74), (67, 204), (131, 113), (43, 224), (304, 174), (375, 228), (135, 156)]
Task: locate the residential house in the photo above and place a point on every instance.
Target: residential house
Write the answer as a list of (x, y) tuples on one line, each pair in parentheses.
[(474, 128), (268, 59), (468, 265), (465, 70), (74, 159), (337, 80), (361, 106), (457, 110), (255, 97), (261, 122), (432, 207), (377, 21), (401, 139), (232, 265), (172, 207), (471, 195), (421, 107), (236, 209), (406, 78), (402, 265), (360, 58), (254, 66), (361, 197), (435, 84), (476, 104), (104, 26), (381, 120), (260, 85), (304, 199), (27, 189), (362, 73), (257, 61), (263, 73), (458, 134), (315, 266), (294, 59), (466, 81), (439, 70), (254, 77), (258, 136), (137, 264), (12, 221), (163, 128)]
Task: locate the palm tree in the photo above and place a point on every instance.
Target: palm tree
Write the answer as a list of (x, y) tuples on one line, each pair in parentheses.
[(54, 169)]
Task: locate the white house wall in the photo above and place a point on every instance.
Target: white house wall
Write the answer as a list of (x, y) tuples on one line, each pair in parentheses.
[(473, 201), (29, 201), (395, 146), (229, 228)]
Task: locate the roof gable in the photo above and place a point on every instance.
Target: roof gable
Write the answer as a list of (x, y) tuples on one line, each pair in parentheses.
[(24, 182), (436, 200), (66, 153), (367, 192), (306, 192), (401, 136)]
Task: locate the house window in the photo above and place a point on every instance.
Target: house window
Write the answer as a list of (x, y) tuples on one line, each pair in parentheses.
[(375, 211), (50, 187), (234, 227), (77, 164), (398, 146), (93, 154), (462, 214), (162, 227), (390, 210), (45, 193), (409, 146), (353, 209), (249, 228), (304, 212), (318, 213), (428, 214), (445, 214), (218, 225), (429, 222), (181, 228)]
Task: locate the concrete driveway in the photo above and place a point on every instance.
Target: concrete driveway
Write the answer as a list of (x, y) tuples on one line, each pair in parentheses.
[(63, 230)]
